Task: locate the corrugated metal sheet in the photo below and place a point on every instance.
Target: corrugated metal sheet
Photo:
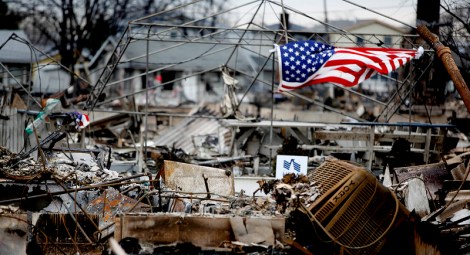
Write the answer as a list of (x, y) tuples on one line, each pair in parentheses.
[(12, 130), (181, 135)]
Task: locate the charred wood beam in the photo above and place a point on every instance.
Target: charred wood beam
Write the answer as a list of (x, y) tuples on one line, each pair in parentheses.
[(207, 186)]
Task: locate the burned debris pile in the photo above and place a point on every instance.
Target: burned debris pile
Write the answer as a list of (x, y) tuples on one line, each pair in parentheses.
[(56, 205), (182, 193)]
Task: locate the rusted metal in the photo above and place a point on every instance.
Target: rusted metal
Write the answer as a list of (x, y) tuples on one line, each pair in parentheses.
[(112, 202), (445, 55), (202, 231)]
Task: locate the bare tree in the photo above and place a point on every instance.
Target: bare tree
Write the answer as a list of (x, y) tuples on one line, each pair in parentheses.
[(456, 32)]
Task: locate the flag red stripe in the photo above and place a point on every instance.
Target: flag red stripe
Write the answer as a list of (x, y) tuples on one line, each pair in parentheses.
[(350, 66)]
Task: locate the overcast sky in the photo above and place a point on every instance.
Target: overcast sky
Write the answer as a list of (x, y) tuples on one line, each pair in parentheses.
[(403, 10)]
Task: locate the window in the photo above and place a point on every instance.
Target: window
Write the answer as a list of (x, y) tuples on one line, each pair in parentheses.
[(388, 41), (359, 41)]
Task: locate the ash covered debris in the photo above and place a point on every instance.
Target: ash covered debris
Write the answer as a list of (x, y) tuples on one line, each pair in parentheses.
[(18, 167), (186, 208)]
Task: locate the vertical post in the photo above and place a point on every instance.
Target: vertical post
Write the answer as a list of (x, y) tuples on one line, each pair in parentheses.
[(144, 157), (326, 22), (427, 145), (445, 55), (370, 147)]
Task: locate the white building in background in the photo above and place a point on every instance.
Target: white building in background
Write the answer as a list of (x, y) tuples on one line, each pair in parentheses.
[(15, 56), (367, 33)]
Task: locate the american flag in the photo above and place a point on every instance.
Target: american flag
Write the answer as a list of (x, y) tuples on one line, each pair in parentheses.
[(304, 63)]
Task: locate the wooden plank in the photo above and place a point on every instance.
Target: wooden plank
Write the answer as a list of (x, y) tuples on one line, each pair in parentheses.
[(364, 136), (427, 145), (341, 135), (8, 130), (377, 148), (458, 173), (416, 198), (300, 135), (189, 178)]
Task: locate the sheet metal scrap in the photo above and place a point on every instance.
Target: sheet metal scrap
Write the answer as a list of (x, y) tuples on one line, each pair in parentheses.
[(111, 202)]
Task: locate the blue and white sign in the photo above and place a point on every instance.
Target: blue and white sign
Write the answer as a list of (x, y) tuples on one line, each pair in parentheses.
[(286, 164)]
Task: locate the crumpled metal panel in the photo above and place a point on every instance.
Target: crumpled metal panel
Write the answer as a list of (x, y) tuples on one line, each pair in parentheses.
[(111, 202), (189, 178)]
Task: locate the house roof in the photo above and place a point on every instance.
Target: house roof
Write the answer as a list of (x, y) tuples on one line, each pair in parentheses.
[(203, 55), (350, 25), (364, 23), (14, 51)]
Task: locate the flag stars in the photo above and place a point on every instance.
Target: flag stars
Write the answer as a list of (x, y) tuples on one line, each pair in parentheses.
[(301, 59)]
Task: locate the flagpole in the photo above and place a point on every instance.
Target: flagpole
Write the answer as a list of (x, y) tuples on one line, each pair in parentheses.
[(272, 114), (284, 22)]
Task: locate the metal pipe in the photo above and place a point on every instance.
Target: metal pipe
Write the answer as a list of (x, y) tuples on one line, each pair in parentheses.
[(445, 55)]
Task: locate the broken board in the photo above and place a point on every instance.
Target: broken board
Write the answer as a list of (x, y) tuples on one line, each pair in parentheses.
[(189, 178)]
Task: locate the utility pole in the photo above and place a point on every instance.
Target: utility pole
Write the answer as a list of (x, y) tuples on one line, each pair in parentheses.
[(445, 55), (327, 30)]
